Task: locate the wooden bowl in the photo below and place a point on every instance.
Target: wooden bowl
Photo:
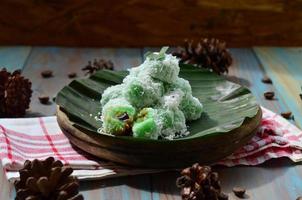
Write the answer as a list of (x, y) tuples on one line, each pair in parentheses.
[(160, 153)]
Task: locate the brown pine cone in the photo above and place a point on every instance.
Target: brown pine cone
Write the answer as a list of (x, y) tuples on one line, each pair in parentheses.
[(17, 93), (96, 65), (200, 183), (46, 180), (207, 53)]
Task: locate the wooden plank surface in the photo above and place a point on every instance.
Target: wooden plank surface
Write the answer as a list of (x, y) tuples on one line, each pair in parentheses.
[(246, 70), (284, 66), (278, 179), (123, 188), (13, 58), (153, 23)]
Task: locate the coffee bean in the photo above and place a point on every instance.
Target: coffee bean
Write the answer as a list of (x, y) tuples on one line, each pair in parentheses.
[(239, 191), (72, 75), (267, 80), (44, 99), (286, 115), (269, 95), (46, 74)]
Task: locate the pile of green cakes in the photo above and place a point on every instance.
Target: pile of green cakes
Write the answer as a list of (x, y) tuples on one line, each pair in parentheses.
[(152, 102)]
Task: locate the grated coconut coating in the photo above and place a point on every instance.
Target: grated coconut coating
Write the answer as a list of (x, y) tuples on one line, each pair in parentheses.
[(158, 101)]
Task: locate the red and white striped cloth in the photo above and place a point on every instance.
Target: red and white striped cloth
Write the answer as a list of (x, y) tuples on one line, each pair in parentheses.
[(30, 138)]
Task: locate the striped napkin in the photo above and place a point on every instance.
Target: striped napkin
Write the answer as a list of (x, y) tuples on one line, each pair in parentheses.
[(39, 138)]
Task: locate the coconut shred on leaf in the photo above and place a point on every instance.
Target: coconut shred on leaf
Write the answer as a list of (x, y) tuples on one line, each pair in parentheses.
[(152, 102)]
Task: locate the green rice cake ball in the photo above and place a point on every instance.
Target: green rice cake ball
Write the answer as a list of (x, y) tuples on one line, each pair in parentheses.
[(164, 118), (133, 72), (145, 126), (118, 116), (143, 91), (170, 122), (166, 70), (181, 84), (172, 99), (191, 107), (179, 121), (112, 92)]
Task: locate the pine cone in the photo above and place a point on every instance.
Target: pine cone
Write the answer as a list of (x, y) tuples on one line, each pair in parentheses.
[(91, 68), (46, 180), (200, 183), (4, 75), (208, 53), (15, 93)]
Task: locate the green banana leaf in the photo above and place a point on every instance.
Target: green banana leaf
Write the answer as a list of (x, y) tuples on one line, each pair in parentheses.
[(226, 104)]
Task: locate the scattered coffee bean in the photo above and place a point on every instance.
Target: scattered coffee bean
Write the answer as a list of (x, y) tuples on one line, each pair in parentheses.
[(239, 191), (299, 198), (300, 96), (286, 115), (223, 196), (267, 80), (269, 95), (46, 74), (72, 75), (44, 99)]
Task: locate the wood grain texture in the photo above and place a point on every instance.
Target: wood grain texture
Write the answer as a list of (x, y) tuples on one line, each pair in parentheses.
[(152, 23), (164, 186), (63, 61), (277, 179), (13, 58), (247, 70), (124, 188), (284, 67)]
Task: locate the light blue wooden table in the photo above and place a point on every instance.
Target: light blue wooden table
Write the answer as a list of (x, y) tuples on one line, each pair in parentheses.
[(277, 179)]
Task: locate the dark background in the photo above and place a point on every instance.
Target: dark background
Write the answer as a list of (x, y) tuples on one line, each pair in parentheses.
[(137, 23)]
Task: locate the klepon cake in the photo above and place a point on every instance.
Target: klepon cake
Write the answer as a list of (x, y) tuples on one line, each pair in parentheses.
[(152, 102)]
